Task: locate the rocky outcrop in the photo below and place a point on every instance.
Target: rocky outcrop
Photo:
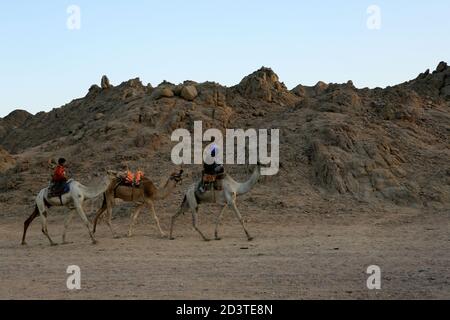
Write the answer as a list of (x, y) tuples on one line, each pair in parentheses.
[(105, 84), (17, 118), (389, 144), (432, 84), (263, 85)]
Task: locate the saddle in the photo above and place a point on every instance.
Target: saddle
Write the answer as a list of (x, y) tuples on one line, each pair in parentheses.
[(58, 189), (123, 182), (212, 181)]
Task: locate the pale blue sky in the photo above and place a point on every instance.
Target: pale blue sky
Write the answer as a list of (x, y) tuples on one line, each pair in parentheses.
[(45, 65)]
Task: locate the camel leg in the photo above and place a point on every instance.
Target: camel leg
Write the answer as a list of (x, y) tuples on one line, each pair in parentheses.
[(66, 226), (218, 219), (83, 217), (27, 224), (108, 208), (134, 217), (157, 220), (239, 216), (44, 227), (109, 223), (194, 223), (97, 216)]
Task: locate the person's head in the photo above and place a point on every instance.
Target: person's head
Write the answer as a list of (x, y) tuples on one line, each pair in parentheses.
[(213, 150), (61, 161)]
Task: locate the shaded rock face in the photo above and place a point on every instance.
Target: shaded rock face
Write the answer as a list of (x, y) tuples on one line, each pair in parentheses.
[(6, 161), (388, 144), (399, 104), (352, 159)]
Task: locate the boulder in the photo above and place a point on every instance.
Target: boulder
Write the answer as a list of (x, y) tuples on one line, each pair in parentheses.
[(164, 92), (189, 93)]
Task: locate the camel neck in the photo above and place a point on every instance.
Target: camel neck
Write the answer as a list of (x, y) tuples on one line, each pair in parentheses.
[(165, 191)]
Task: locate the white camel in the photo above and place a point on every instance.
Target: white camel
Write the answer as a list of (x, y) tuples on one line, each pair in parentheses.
[(74, 199), (225, 197)]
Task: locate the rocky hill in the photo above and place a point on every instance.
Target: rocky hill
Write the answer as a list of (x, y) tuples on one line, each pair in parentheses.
[(337, 142)]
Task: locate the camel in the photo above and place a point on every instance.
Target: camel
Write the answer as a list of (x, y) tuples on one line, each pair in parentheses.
[(74, 199), (145, 196), (225, 197)]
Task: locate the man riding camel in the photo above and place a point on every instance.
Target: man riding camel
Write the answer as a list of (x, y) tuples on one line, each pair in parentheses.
[(59, 178), (212, 166)]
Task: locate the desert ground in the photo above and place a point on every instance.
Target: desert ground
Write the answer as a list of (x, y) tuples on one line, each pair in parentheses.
[(305, 252)]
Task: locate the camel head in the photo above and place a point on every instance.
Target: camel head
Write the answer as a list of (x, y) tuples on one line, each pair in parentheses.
[(262, 165), (176, 176), (112, 173)]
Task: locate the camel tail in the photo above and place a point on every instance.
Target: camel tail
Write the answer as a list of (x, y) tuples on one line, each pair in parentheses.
[(28, 222)]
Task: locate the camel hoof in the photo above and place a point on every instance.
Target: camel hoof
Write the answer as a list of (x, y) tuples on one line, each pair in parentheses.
[(116, 237), (171, 238), (206, 239), (66, 242), (217, 238), (53, 244), (94, 242), (23, 243), (250, 238)]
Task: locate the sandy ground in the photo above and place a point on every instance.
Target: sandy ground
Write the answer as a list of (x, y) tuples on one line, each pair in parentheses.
[(296, 254)]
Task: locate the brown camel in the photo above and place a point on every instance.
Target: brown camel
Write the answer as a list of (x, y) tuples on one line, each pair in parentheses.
[(144, 196)]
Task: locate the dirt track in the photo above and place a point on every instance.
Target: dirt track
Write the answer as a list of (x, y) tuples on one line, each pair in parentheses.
[(295, 255)]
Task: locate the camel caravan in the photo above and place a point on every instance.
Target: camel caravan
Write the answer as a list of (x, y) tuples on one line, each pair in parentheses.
[(215, 187)]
